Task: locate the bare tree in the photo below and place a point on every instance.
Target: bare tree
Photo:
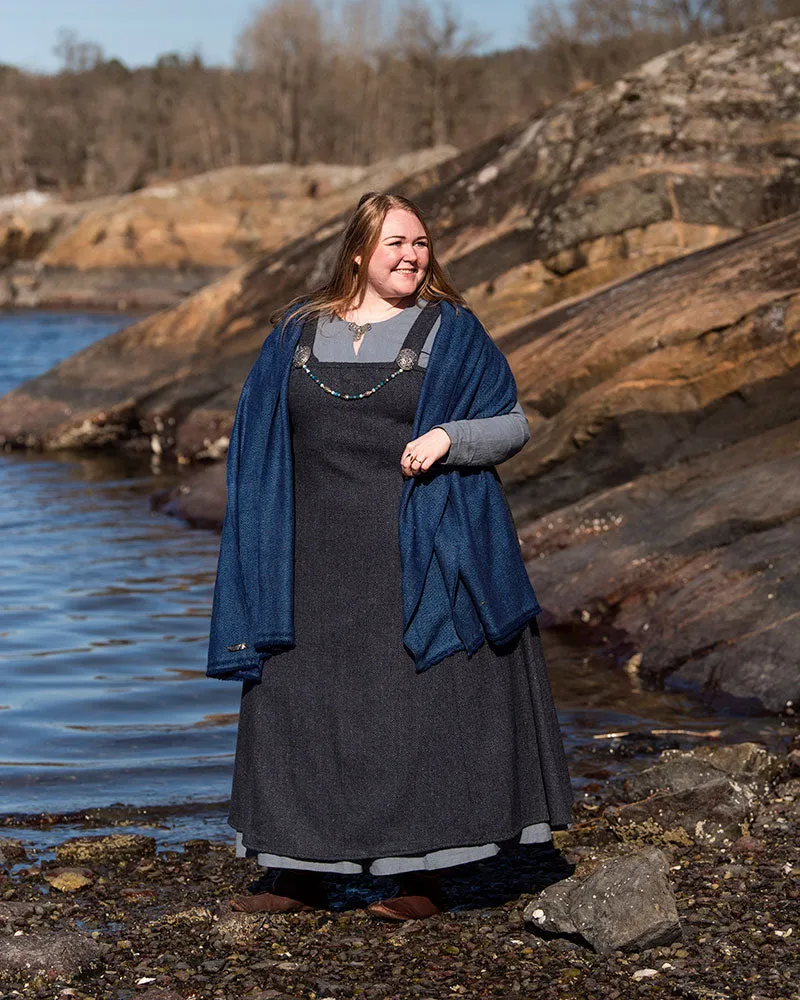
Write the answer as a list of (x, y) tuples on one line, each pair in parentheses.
[(76, 55), (431, 45), (15, 127), (353, 117), (283, 46), (582, 32), (344, 83)]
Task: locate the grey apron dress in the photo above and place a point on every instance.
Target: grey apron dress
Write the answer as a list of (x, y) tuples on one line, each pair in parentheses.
[(346, 756)]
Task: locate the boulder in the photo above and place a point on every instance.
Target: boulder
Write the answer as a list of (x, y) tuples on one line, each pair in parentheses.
[(674, 776), (626, 903), (61, 954), (680, 771), (713, 813), (748, 762), (105, 849)]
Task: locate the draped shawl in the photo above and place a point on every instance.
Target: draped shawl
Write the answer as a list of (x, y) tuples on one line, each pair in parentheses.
[(463, 578)]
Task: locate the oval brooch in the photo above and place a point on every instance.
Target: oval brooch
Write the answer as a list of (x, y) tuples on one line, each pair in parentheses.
[(301, 355), (406, 359)]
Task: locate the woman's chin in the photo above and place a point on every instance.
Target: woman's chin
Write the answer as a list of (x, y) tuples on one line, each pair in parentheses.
[(405, 289)]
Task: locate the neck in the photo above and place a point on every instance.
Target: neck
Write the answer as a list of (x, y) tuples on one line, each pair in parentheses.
[(375, 306)]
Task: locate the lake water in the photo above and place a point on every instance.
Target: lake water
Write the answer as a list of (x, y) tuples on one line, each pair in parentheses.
[(104, 610)]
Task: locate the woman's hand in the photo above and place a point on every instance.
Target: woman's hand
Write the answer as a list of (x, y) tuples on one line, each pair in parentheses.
[(420, 454)]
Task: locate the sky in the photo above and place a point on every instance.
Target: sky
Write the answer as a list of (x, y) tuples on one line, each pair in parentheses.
[(137, 31)]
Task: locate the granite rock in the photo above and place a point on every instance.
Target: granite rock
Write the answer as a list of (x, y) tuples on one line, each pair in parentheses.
[(626, 903), (153, 247), (680, 771)]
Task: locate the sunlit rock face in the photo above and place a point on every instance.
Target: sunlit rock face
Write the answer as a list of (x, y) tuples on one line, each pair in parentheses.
[(635, 253), (153, 247), (659, 494)]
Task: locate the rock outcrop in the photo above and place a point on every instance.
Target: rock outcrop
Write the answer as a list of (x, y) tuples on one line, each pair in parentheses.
[(151, 248), (680, 771), (658, 498), (708, 795)]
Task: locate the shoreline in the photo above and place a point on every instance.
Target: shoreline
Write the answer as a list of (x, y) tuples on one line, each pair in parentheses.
[(29, 286), (110, 917), (598, 768)]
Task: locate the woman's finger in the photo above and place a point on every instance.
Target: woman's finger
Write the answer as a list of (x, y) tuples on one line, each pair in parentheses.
[(414, 462)]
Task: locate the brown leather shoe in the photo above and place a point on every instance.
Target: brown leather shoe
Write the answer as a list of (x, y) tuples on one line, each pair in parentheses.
[(404, 908), (268, 902), (420, 897), (292, 892)]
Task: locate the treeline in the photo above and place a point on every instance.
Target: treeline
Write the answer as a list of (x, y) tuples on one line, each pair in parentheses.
[(305, 88)]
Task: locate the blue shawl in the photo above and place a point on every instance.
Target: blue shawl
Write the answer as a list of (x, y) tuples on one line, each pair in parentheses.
[(464, 580)]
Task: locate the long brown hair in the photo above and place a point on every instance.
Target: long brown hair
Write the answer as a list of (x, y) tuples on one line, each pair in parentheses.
[(348, 282)]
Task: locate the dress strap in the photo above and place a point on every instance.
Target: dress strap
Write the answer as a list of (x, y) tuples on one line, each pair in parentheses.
[(408, 355), (305, 344)]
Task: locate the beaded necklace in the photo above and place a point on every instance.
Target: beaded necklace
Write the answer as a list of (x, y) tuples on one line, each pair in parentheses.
[(405, 361)]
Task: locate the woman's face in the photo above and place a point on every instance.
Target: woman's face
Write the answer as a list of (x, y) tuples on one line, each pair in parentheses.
[(400, 260)]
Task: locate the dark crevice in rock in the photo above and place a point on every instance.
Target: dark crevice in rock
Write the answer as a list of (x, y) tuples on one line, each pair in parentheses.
[(728, 533), (640, 442)]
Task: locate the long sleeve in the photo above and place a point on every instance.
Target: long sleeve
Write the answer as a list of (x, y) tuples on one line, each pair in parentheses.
[(486, 440)]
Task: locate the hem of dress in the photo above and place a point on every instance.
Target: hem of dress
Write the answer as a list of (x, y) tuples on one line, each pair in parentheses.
[(532, 833)]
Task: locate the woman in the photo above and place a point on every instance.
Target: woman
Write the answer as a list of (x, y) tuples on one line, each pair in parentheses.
[(396, 714)]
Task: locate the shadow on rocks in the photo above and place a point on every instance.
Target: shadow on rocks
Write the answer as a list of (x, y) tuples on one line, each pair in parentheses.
[(489, 883)]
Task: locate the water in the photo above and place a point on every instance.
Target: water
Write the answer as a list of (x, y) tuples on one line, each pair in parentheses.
[(104, 610)]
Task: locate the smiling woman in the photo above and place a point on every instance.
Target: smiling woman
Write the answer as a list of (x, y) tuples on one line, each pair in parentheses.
[(396, 715), (396, 266)]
